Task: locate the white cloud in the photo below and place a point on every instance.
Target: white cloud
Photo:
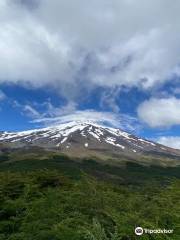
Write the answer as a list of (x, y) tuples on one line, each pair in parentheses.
[(71, 45), (170, 141), (86, 115), (163, 112), (27, 109), (30, 111), (52, 111), (108, 100), (2, 95), (54, 116)]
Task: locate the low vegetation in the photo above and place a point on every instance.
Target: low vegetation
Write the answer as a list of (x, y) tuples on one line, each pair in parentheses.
[(61, 199)]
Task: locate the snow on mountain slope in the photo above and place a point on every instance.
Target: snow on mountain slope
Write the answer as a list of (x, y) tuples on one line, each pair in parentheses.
[(83, 136)]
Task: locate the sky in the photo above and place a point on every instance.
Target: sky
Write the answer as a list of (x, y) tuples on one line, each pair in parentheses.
[(116, 62)]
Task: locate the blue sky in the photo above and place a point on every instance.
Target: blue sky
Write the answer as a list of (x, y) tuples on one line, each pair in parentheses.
[(116, 62)]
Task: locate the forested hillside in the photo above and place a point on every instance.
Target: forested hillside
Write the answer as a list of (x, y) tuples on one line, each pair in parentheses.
[(62, 199)]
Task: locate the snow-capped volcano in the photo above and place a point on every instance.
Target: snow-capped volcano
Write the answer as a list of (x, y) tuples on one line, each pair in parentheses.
[(79, 137)]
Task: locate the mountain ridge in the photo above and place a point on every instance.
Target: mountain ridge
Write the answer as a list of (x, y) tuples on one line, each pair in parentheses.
[(81, 137)]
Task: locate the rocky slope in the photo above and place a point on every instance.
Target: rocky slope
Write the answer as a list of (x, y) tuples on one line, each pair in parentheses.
[(87, 139)]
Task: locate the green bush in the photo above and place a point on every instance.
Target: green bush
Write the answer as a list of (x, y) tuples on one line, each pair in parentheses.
[(49, 205)]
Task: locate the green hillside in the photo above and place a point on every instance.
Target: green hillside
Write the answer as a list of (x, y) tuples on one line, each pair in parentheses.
[(58, 198)]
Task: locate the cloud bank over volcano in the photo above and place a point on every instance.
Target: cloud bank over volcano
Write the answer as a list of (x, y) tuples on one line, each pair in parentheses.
[(66, 44)]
